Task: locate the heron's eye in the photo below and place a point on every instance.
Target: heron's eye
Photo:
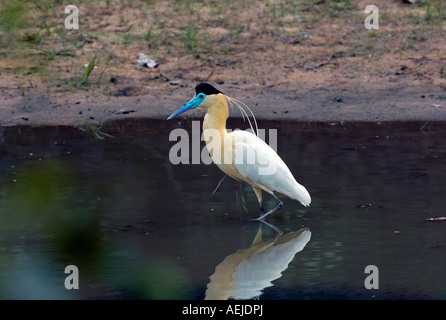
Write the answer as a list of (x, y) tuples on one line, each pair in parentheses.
[(201, 95)]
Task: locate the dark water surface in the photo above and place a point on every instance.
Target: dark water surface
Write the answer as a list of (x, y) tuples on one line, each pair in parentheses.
[(138, 227)]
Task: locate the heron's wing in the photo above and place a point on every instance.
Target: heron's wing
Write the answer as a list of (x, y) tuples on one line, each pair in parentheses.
[(258, 163)]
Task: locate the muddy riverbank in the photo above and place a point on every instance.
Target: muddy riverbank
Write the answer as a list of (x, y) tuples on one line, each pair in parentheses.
[(320, 103), (306, 60)]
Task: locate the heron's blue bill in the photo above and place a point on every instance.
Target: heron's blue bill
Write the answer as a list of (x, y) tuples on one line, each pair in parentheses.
[(193, 103)]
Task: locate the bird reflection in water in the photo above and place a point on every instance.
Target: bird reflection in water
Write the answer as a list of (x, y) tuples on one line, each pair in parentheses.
[(245, 273)]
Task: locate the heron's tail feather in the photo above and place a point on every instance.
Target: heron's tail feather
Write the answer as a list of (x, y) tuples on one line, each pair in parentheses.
[(300, 194)]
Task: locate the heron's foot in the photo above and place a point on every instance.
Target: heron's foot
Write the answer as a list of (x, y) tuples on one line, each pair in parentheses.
[(278, 207), (263, 216)]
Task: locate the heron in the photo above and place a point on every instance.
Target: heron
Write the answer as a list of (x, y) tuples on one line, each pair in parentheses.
[(241, 154)]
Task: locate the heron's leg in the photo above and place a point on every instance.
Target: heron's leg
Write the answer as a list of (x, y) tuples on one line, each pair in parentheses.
[(262, 211), (258, 193), (279, 206)]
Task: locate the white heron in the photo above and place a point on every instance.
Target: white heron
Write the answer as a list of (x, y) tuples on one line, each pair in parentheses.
[(242, 155)]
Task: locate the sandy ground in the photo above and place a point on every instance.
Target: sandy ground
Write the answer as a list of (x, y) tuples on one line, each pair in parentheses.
[(312, 62), (326, 103)]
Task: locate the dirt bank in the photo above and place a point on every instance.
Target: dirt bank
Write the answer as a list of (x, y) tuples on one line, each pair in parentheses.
[(329, 103), (306, 60)]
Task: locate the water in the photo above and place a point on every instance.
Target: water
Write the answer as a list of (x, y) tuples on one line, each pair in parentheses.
[(138, 227)]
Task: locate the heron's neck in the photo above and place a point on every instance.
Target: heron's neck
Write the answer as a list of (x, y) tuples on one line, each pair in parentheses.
[(214, 128), (217, 114)]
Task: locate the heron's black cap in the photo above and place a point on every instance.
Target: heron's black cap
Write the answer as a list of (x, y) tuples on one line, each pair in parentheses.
[(206, 88)]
